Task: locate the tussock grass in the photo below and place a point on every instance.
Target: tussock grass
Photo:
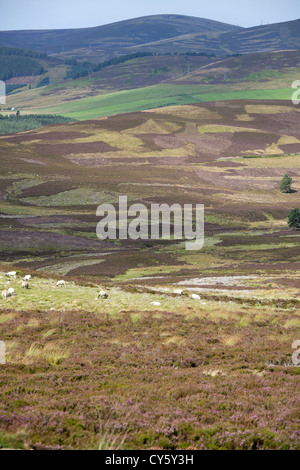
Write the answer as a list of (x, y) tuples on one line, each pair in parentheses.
[(53, 352)]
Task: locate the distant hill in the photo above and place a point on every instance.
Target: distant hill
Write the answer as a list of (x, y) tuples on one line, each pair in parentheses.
[(162, 34), (123, 34), (265, 38)]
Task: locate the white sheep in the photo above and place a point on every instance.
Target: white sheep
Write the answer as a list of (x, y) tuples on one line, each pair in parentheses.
[(61, 283), (11, 274), (5, 294), (177, 291), (157, 304), (25, 285), (27, 277), (195, 296), (103, 294), (8, 293)]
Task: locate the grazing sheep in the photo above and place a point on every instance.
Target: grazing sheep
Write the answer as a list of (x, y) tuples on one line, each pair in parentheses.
[(27, 277), (195, 296), (61, 283), (177, 291), (11, 274), (5, 294), (103, 294), (157, 304), (25, 285), (8, 293)]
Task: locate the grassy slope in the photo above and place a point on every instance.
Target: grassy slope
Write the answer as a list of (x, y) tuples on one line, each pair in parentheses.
[(259, 76), (153, 97), (125, 374)]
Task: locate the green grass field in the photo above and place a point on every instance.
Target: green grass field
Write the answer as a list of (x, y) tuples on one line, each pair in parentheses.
[(155, 97)]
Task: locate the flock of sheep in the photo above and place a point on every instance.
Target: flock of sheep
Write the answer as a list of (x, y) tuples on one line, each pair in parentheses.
[(25, 285), (10, 291), (102, 294)]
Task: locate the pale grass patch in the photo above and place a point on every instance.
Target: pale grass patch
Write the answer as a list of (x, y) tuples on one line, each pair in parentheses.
[(154, 127), (292, 323), (273, 149), (115, 139), (259, 373), (48, 333), (118, 342), (221, 315), (283, 338), (186, 111), (157, 315), (179, 340), (287, 139), (244, 322), (222, 128), (53, 352), (285, 161), (244, 117), (33, 323), (134, 317), (268, 109), (231, 340), (4, 317), (213, 372), (10, 346), (112, 440)]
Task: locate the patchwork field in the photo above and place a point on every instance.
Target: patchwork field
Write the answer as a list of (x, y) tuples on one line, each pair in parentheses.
[(207, 374)]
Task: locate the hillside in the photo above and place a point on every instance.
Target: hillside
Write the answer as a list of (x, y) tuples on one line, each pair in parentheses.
[(113, 36), (273, 37), (262, 69), (159, 34), (15, 62), (63, 171), (126, 372), (28, 67), (156, 81)]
